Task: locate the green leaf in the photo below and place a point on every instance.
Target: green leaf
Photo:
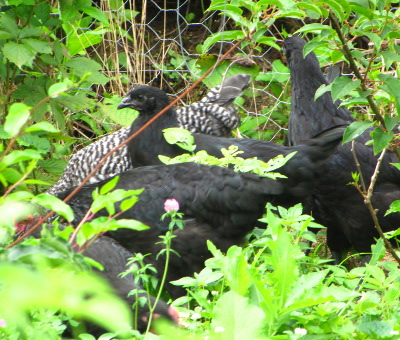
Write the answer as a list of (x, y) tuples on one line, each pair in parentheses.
[(393, 208), (221, 36), (36, 142), (321, 90), (336, 8), (54, 203), (342, 86), (42, 126), (38, 46), (94, 12), (355, 129), (392, 86), (317, 28), (129, 203), (9, 25), (53, 166), (310, 7), (76, 43), (17, 117), (381, 139), (390, 122), (279, 73), (109, 185), (30, 31), (59, 88), (11, 175), (376, 329), (236, 271), (20, 156), (236, 319), (127, 224), (181, 137), (18, 54)]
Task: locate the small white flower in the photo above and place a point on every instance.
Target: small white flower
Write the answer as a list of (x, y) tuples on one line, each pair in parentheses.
[(183, 315), (300, 331), (394, 333), (219, 329), (3, 323), (214, 292), (195, 316)]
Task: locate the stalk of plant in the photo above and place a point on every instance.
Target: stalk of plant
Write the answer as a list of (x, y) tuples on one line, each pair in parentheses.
[(171, 206)]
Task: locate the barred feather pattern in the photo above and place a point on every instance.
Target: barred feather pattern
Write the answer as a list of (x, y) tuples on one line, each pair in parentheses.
[(213, 115), (195, 118)]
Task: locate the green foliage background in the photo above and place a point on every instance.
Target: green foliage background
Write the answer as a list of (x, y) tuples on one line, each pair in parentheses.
[(52, 74)]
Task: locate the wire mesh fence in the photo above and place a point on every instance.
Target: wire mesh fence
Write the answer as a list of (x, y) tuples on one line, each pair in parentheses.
[(157, 43)]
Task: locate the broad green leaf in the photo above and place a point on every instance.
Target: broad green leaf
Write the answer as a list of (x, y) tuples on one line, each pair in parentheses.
[(18, 54), (42, 126), (76, 43), (236, 319), (38, 46), (127, 224), (59, 88), (342, 86), (309, 7), (390, 122), (317, 28), (96, 13), (17, 117), (236, 270), (9, 25), (336, 8), (355, 129), (279, 73), (11, 175), (40, 143), (381, 139), (378, 252), (394, 207), (29, 31), (226, 7), (109, 185), (83, 65), (53, 166), (392, 86), (321, 90), (129, 203), (54, 203), (376, 329), (221, 36), (183, 138)]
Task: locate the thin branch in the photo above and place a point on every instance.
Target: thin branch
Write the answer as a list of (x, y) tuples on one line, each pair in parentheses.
[(373, 211)]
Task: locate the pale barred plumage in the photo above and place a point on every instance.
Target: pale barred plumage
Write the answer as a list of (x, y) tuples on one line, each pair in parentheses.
[(214, 115)]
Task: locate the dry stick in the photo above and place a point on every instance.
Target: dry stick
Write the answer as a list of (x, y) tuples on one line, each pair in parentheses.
[(373, 211), (374, 108), (98, 166)]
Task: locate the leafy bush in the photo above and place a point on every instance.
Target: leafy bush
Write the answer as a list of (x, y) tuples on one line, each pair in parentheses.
[(52, 73)]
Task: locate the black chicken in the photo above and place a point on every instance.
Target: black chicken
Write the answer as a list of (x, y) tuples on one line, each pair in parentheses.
[(144, 149), (215, 114), (218, 204), (334, 203)]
